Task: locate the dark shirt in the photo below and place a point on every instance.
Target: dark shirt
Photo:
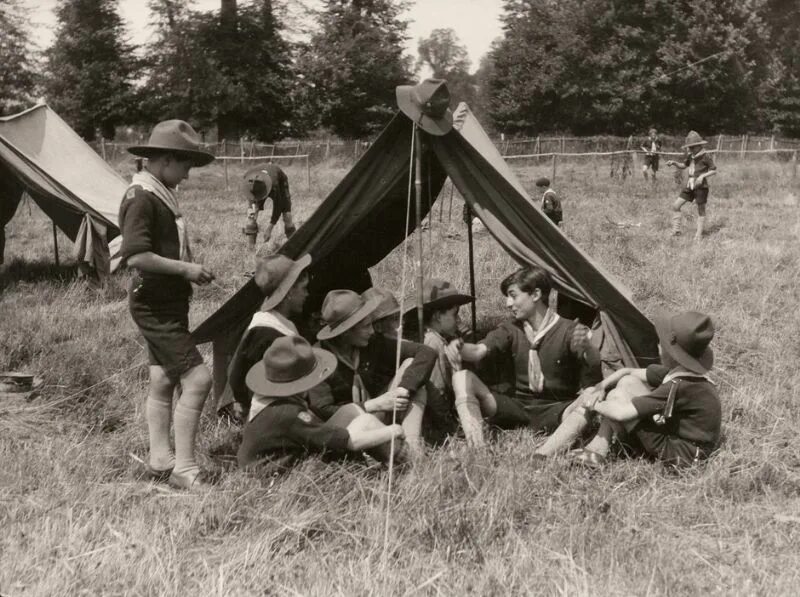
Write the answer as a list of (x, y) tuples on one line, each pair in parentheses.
[(697, 413), (250, 351), (569, 362), (147, 225), (286, 427), (703, 162), (377, 369), (280, 183)]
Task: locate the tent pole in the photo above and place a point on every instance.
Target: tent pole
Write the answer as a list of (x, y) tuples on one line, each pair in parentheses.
[(468, 220), (418, 210), (55, 243)]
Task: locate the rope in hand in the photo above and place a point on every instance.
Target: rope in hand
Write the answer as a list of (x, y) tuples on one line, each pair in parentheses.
[(399, 343)]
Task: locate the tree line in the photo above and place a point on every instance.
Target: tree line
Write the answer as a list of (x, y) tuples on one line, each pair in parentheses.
[(258, 69)]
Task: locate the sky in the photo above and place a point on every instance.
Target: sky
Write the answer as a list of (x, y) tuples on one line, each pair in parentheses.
[(476, 22)]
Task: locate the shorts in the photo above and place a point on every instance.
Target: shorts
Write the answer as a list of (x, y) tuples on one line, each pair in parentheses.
[(165, 327), (280, 205), (538, 414), (651, 160), (700, 196), (646, 439)]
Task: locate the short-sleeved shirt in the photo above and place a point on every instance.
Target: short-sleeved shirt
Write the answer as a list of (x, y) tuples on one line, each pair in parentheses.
[(700, 164), (652, 145), (442, 374), (147, 225), (287, 427), (696, 414)]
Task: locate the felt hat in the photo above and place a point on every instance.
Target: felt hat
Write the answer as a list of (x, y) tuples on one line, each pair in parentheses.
[(427, 104), (543, 182), (439, 294), (175, 136), (693, 138), (277, 274), (341, 310), (290, 366), (387, 303), (686, 338), (257, 184)]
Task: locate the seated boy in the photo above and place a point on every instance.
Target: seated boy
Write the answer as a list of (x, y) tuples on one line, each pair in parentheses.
[(285, 429), (671, 411)]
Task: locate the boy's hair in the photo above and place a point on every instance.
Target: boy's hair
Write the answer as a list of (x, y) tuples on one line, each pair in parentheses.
[(529, 279)]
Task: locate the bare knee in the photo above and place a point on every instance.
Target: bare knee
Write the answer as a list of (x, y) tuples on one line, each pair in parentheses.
[(197, 380), (160, 383), (631, 386)]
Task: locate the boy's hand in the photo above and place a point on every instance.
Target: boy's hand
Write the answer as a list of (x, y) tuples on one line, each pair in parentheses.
[(591, 396), (453, 349), (198, 273), (394, 399), (396, 431)]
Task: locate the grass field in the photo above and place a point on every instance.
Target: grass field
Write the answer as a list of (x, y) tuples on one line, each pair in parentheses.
[(77, 519)]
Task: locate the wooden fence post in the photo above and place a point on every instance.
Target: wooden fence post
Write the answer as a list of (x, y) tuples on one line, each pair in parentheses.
[(772, 143), (538, 148), (241, 149), (308, 171), (103, 148), (553, 181), (328, 148), (794, 165), (224, 148), (719, 143), (225, 166)]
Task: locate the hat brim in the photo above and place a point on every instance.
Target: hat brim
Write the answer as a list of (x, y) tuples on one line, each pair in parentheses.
[(434, 126), (365, 311), (380, 314), (198, 158), (701, 142), (440, 304), (248, 194), (258, 383), (700, 365), (286, 283)]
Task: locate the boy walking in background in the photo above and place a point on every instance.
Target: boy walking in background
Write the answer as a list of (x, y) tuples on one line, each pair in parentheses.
[(269, 181), (651, 146), (701, 167), (155, 243), (551, 204)]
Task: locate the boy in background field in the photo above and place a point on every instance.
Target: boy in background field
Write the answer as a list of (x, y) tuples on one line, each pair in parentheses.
[(669, 412), (651, 146), (701, 167), (551, 204)]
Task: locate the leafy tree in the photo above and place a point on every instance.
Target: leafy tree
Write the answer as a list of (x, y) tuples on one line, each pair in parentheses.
[(781, 91), (18, 70), (353, 64), (447, 58), (91, 67)]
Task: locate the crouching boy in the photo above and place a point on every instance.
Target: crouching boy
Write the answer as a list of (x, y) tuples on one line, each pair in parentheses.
[(669, 412), (286, 429)]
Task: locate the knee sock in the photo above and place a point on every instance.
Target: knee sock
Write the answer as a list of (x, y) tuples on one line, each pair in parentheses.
[(187, 420), (701, 221), (469, 413), (676, 222), (412, 425), (566, 434), (159, 418), (602, 441)]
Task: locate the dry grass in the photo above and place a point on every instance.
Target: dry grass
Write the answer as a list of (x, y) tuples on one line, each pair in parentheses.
[(77, 519)]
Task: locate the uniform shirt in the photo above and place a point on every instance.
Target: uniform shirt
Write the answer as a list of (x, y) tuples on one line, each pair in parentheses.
[(569, 362), (442, 374), (287, 427), (376, 369), (147, 225), (551, 205), (652, 145), (280, 182), (700, 164), (696, 414)]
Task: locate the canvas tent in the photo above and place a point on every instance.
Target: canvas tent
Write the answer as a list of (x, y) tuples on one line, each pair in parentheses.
[(42, 156), (364, 217)]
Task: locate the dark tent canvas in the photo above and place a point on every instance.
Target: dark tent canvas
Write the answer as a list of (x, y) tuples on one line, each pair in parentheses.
[(42, 156), (364, 218)]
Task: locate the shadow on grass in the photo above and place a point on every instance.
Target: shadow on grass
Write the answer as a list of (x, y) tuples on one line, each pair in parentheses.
[(19, 270)]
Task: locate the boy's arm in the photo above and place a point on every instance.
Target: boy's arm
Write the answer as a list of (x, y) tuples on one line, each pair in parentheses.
[(368, 432), (617, 410), (611, 380), (472, 353), (156, 264), (322, 401), (498, 340)]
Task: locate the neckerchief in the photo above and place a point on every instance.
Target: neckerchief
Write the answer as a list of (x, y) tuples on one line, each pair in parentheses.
[(535, 375), (544, 196), (693, 159), (168, 197), (276, 321), (358, 390)]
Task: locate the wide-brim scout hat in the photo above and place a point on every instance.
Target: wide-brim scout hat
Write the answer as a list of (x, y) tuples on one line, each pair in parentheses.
[(686, 338), (290, 366), (281, 273), (543, 182), (693, 138), (427, 104), (257, 184), (343, 309), (387, 303), (175, 136), (438, 295)]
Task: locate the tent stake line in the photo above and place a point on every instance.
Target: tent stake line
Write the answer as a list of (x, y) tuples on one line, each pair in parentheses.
[(55, 244), (418, 188)]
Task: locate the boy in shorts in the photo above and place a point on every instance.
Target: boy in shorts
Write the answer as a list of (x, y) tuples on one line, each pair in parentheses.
[(669, 412), (155, 244), (269, 181), (701, 167), (651, 146), (551, 204)]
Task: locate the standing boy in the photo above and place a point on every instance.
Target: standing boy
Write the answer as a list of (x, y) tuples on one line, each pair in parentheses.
[(701, 167), (551, 204), (651, 146), (269, 181), (155, 243)]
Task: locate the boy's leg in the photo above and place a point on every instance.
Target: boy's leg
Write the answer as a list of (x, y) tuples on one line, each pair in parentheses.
[(288, 224), (473, 400), (677, 216), (196, 384), (627, 389), (573, 421), (158, 411), (412, 418), (701, 220)]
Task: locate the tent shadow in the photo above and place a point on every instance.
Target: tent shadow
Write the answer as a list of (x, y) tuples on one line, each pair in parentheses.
[(19, 270)]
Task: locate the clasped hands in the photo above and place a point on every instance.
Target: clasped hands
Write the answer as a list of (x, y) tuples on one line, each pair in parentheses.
[(394, 399)]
